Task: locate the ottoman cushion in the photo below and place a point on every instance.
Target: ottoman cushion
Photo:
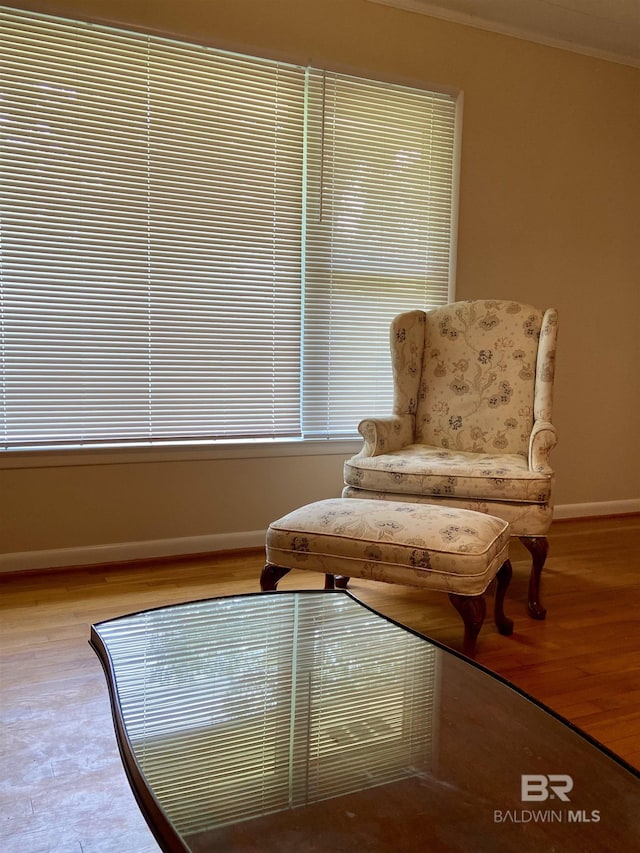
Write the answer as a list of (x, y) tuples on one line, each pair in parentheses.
[(434, 547)]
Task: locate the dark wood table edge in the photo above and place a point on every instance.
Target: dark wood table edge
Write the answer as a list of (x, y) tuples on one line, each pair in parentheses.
[(157, 821)]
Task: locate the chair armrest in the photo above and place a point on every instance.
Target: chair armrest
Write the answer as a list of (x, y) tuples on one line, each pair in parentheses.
[(543, 439), (384, 435)]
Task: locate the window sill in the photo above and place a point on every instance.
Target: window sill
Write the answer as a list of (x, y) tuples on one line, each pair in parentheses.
[(140, 454)]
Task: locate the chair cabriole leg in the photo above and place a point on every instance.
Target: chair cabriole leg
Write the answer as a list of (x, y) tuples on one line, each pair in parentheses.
[(503, 578), (538, 547)]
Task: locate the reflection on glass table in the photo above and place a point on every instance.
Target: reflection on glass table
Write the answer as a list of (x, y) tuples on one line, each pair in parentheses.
[(307, 721)]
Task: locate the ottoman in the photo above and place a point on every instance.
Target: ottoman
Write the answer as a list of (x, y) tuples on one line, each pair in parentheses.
[(450, 550)]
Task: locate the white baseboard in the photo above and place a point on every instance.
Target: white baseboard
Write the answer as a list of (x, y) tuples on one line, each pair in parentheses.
[(123, 551), (118, 552), (589, 510)]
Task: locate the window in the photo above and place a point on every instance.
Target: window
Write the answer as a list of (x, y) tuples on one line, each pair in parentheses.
[(197, 245)]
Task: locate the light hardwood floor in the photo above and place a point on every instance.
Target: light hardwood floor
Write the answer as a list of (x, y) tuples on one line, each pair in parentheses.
[(62, 787)]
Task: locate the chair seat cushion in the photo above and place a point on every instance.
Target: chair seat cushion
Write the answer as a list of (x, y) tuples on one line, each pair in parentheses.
[(442, 548), (421, 469)]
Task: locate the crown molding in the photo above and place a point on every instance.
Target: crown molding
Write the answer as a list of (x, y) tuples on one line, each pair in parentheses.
[(432, 10)]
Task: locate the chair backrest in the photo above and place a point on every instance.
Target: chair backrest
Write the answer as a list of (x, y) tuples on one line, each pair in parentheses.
[(480, 361)]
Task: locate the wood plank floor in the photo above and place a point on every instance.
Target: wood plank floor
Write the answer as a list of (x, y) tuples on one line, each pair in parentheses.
[(62, 787)]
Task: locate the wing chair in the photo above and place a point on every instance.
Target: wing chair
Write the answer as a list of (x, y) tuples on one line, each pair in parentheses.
[(471, 424)]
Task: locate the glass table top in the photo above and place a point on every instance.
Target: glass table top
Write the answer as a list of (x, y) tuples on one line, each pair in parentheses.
[(306, 721)]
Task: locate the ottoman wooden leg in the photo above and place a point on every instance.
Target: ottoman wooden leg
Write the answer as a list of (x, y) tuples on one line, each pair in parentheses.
[(271, 575), (335, 581), (472, 608), (503, 623)]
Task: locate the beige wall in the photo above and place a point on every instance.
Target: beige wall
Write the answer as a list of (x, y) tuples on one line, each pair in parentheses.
[(549, 214)]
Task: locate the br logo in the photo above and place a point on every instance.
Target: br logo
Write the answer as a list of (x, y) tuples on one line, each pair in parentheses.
[(537, 788)]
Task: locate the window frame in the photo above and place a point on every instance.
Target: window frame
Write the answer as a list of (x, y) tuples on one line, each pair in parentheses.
[(136, 451)]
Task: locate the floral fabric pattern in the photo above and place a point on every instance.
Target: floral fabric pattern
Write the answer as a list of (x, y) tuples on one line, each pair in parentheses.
[(471, 425), (441, 548), (478, 374), (422, 470), (525, 519), (545, 368), (407, 349)]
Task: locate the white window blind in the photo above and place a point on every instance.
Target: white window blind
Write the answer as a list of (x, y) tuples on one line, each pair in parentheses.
[(197, 245), (378, 236)]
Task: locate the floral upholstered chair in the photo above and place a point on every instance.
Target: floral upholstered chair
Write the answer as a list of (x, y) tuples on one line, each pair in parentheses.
[(471, 426)]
